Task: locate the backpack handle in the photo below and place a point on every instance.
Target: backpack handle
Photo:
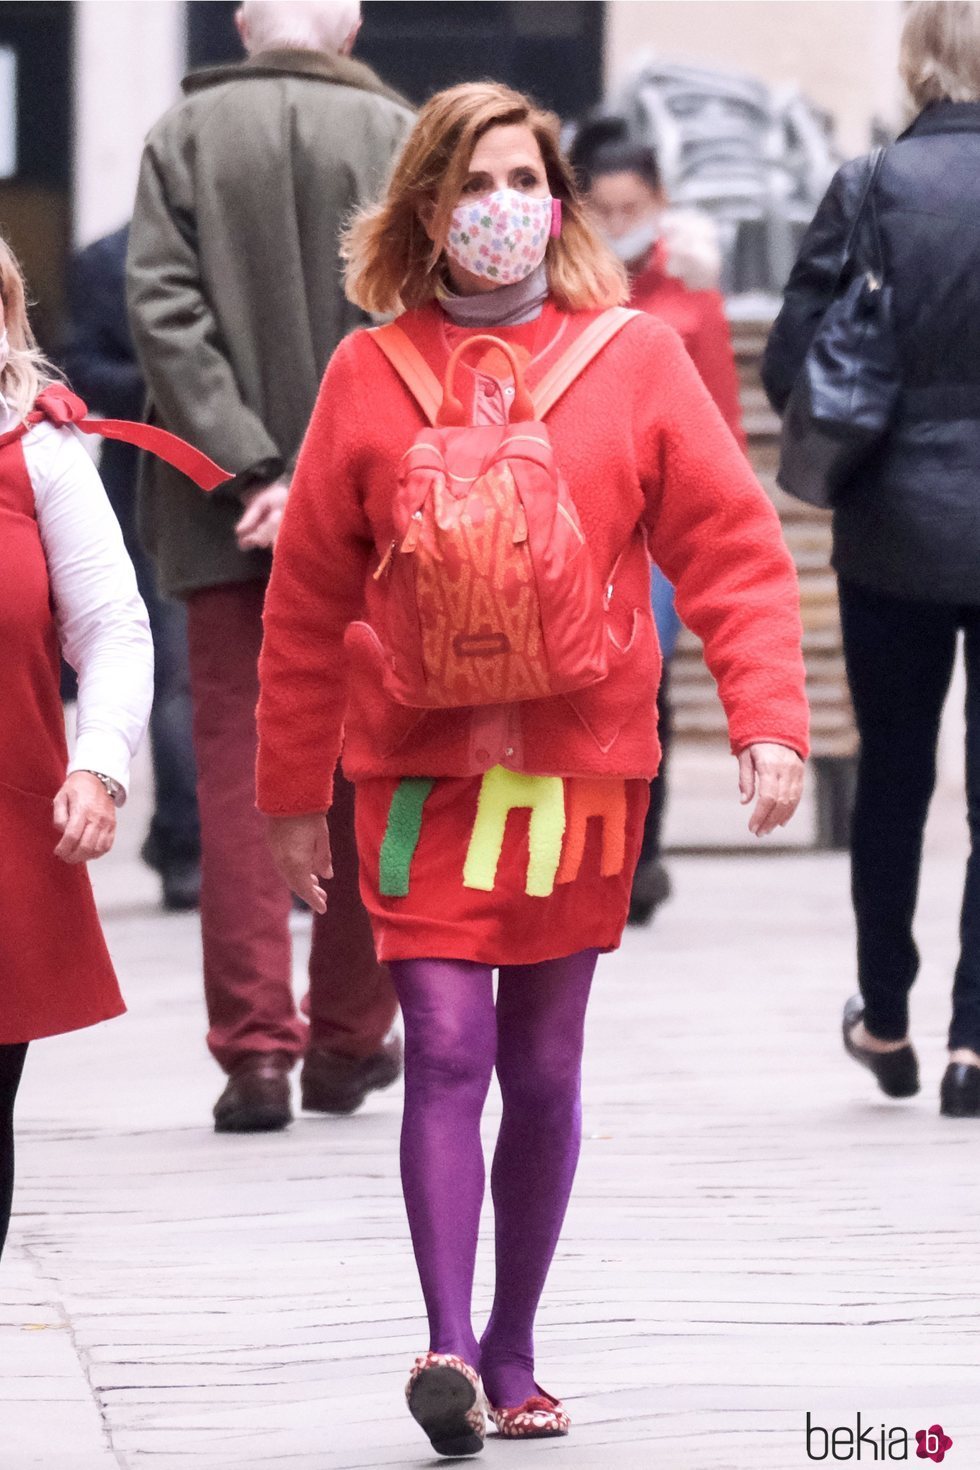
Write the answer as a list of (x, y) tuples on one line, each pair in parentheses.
[(452, 414)]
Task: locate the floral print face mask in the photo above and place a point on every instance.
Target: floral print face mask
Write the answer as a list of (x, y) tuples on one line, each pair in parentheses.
[(502, 237)]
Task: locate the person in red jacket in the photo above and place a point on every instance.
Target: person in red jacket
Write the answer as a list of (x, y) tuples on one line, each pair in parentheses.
[(671, 255), (474, 825), (674, 267)]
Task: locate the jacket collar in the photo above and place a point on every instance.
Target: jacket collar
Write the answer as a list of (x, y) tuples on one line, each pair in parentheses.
[(652, 272), (945, 117), (321, 66)]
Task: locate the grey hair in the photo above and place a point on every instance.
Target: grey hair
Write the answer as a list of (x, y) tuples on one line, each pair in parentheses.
[(307, 25)]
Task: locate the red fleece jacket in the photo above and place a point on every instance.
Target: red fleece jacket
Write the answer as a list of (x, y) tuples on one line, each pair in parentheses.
[(652, 468)]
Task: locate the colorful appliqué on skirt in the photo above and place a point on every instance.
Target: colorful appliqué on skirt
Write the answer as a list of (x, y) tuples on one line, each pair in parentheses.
[(502, 869)]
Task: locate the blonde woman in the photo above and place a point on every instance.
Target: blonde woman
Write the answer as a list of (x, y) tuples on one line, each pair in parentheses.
[(66, 585), (907, 533), (482, 231)]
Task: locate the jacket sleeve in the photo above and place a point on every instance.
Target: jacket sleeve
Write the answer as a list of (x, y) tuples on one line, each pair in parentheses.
[(191, 381), (385, 133), (811, 285), (316, 590), (711, 351), (98, 353), (717, 536), (101, 620)]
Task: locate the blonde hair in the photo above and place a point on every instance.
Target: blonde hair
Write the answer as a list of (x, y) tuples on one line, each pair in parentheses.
[(27, 370), (940, 52), (393, 265)]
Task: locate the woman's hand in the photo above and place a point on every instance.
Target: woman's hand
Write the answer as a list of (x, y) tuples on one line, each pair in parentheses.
[(775, 774), (85, 815), (301, 851)]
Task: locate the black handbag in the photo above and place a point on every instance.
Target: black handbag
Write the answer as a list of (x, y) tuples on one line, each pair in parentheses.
[(845, 393)]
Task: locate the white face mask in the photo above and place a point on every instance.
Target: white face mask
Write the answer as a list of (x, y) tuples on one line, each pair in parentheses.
[(637, 242)]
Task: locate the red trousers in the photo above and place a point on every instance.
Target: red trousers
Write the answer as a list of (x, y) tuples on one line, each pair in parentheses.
[(245, 906)]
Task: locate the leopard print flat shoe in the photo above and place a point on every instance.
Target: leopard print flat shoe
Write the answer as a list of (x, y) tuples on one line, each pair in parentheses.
[(539, 1417), (445, 1397)]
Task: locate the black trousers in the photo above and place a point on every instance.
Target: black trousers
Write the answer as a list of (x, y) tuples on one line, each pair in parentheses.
[(653, 825), (900, 655), (11, 1068), (175, 832)]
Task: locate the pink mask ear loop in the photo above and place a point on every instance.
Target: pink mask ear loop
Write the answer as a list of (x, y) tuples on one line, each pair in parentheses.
[(555, 218)]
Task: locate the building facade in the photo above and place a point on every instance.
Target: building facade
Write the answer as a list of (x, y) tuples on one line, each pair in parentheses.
[(80, 83)]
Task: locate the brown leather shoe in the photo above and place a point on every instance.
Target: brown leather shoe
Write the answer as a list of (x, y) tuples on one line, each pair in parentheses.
[(330, 1083), (256, 1099)]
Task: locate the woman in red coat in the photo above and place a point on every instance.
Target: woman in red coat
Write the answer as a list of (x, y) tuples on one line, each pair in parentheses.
[(671, 255), (504, 835), (66, 585), (674, 266)]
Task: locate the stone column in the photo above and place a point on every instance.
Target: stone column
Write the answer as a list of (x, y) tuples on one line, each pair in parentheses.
[(129, 60)]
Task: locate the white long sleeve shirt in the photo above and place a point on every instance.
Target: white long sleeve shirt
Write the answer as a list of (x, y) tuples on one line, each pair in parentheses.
[(101, 619)]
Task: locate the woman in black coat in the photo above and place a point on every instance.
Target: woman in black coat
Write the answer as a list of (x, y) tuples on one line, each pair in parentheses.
[(100, 361), (907, 532)]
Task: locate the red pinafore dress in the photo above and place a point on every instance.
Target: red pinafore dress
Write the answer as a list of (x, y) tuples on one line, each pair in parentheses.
[(55, 970)]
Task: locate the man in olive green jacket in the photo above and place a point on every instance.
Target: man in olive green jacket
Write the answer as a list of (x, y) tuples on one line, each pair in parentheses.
[(236, 301)]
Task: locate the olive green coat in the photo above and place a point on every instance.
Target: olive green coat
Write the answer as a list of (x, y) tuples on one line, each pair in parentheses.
[(234, 281)]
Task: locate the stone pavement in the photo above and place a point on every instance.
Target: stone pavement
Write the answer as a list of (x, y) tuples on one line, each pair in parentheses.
[(755, 1233)]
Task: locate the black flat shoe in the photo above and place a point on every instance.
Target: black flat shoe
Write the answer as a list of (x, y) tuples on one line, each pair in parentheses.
[(181, 885), (959, 1094), (651, 888), (445, 1398), (896, 1072)]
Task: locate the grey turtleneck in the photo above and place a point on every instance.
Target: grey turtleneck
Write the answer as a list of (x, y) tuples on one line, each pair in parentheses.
[(507, 306)]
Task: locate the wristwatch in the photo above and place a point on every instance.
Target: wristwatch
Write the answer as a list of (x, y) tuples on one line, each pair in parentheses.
[(111, 785)]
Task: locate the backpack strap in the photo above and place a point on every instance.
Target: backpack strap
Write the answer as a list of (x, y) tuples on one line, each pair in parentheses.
[(410, 366), (575, 360), (426, 388)]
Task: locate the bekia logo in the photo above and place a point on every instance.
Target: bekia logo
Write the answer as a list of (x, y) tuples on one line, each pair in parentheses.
[(933, 1443), (874, 1442)]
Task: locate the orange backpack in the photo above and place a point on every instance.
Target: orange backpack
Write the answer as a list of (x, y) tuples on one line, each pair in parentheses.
[(492, 594)]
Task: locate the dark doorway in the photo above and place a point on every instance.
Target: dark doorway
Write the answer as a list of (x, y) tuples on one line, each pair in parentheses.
[(36, 150), (211, 34), (551, 49)]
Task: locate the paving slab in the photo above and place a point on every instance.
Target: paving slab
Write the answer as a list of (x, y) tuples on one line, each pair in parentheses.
[(755, 1235)]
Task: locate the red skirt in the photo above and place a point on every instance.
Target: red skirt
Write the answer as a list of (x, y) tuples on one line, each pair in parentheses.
[(55, 970), (503, 869)]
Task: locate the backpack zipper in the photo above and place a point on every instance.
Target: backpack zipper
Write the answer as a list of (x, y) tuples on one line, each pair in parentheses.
[(414, 533), (412, 537), (385, 561), (611, 582), (578, 531)]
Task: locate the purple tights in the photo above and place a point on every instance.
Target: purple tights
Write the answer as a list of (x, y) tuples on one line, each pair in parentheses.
[(454, 1036)]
